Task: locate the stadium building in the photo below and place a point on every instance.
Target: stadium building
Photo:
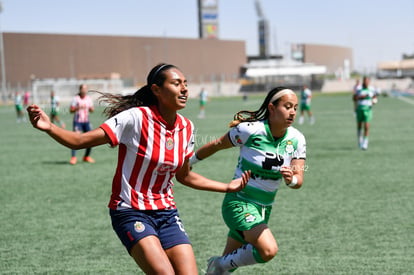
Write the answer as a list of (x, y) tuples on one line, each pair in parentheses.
[(396, 69), (307, 65), (38, 58), (35, 56)]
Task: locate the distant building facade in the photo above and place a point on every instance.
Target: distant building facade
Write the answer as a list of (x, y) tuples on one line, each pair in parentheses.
[(30, 56), (337, 59), (396, 69)]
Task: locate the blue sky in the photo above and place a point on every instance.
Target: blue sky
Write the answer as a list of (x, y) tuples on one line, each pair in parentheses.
[(376, 30)]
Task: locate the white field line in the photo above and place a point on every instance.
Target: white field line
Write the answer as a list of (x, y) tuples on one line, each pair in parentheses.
[(408, 100)]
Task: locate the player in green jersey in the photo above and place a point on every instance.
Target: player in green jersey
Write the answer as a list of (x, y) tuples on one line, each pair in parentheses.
[(305, 105), (54, 112), (274, 151), (365, 97)]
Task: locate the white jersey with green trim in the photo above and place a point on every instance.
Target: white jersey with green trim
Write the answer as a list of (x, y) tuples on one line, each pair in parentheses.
[(369, 93), (263, 155)]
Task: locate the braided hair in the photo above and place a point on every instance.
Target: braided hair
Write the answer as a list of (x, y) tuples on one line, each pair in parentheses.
[(142, 97), (260, 114)]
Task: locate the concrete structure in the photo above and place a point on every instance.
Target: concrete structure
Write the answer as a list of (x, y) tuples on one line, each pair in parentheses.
[(261, 75), (307, 65), (30, 56), (396, 69), (338, 60), (335, 58)]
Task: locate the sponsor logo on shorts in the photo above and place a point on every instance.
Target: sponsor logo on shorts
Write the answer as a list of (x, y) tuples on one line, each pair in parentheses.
[(139, 227), (249, 217)]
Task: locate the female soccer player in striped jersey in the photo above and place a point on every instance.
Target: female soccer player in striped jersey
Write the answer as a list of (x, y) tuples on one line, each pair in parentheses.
[(81, 106), (155, 144), (274, 151)]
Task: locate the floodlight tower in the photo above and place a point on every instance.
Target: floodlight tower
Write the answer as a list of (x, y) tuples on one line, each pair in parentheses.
[(263, 25)]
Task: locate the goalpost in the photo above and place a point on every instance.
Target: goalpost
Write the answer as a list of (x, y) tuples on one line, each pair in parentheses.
[(66, 89)]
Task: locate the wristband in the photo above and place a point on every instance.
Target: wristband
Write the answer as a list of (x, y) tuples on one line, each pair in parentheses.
[(294, 182), (194, 159)]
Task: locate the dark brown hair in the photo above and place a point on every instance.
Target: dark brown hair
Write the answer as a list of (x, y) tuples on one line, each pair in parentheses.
[(260, 114), (142, 97)]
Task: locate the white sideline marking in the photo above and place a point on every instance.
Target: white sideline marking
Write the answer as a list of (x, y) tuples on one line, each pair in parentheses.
[(410, 101)]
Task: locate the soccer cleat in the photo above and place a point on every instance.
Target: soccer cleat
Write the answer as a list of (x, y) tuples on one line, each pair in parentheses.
[(88, 159), (214, 268), (73, 160), (301, 118), (312, 120), (365, 145)]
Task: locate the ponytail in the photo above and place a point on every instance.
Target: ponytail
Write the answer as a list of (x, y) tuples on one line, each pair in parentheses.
[(261, 113), (117, 103)]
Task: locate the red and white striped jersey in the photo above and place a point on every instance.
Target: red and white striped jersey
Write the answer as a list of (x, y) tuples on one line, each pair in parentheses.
[(84, 104), (150, 153)]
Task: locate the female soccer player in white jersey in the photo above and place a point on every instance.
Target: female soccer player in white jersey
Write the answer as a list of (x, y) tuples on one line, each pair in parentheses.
[(365, 96), (274, 151), (155, 143)]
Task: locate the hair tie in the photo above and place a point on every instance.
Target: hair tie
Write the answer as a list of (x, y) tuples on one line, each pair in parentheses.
[(279, 94), (156, 73)]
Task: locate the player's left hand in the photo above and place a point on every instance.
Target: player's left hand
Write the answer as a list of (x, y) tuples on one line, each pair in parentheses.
[(287, 173)]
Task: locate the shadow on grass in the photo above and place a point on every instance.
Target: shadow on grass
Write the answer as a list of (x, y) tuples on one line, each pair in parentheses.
[(57, 162)]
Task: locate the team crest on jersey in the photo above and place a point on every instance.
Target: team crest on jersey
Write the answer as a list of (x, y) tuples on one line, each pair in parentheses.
[(139, 227), (170, 143), (238, 139), (249, 217), (289, 147)]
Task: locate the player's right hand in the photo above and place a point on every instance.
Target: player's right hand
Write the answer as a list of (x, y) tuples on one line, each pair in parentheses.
[(38, 118), (238, 184)]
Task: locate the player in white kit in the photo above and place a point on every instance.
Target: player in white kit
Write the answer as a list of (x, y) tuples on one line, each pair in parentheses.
[(274, 151)]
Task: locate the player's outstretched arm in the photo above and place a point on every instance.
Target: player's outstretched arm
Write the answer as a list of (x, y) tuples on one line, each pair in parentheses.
[(73, 140), (211, 148), (197, 181)]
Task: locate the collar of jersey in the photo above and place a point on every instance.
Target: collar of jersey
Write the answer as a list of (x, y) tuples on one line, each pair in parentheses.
[(269, 133), (157, 114)]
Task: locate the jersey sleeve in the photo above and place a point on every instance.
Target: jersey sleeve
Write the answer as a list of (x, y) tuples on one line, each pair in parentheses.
[(239, 134), (189, 150), (90, 102), (74, 102), (118, 125), (301, 148)]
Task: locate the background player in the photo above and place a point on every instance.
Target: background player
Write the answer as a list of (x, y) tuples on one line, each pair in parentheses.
[(18, 104), (81, 106), (203, 102), (54, 112), (305, 105), (365, 97)]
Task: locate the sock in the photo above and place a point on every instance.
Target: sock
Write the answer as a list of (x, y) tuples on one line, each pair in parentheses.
[(245, 255), (365, 144), (301, 120), (360, 138)]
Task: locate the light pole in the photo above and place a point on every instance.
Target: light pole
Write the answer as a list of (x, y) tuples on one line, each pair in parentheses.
[(3, 68)]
